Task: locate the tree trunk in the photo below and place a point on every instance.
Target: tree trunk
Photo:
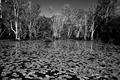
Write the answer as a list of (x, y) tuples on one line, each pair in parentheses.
[(107, 13), (1, 33), (92, 31), (69, 32), (59, 33), (78, 34), (16, 24), (30, 35), (20, 31), (35, 34), (55, 34), (16, 28), (85, 35)]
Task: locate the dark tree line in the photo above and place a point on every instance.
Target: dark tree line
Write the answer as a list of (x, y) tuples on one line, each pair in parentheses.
[(108, 21)]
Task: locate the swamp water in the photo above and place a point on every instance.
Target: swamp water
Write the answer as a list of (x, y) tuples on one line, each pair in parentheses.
[(59, 60)]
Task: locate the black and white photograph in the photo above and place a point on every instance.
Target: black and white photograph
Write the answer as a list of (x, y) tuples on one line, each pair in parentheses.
[(59, 39)]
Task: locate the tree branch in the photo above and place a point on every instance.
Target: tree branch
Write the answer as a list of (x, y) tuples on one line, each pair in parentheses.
[(12, 28), (2, 32)]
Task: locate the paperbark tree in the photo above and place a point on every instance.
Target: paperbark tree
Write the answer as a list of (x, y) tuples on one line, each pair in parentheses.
[(8, 14), (66, 12), (30, 16), (86, 27), (79, 25), (57, 26), (80, 19), (33, 16), (92, 30), (77, 21), (91, 19), (11, 10), (16, 14)]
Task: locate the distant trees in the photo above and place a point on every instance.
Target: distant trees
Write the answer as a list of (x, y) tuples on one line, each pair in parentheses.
[(66, 13), (105, 8), (44, 28), (22, 19), (79, 20), (91, 21), (57, 25), (71, 23), (32, 14)]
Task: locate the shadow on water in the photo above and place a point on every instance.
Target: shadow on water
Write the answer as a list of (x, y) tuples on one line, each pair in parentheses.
[(60, 59)]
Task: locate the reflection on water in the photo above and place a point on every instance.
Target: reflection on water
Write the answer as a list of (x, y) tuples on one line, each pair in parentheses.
[(61, 59)]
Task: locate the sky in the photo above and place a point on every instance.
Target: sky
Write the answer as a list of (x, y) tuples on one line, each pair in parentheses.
[(58, 4)]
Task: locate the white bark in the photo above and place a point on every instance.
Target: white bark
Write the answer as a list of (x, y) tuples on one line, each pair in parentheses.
[(30, 34), (12, 28), (55, 34), (92, 30), (59, 33), (69, 32), (15, 31), (78, 34), (16, 13), (16, 27), (92, 33)]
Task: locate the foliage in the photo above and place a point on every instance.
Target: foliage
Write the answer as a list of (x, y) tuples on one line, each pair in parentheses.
[(107, 19), (70, 23), (21, 17), (23, 21), (44, 27), (111, 30)]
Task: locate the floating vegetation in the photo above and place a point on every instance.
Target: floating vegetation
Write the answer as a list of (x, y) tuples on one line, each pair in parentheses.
[(62, 60)]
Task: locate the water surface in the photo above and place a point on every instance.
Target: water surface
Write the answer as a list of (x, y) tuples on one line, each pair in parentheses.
[(59, 60)]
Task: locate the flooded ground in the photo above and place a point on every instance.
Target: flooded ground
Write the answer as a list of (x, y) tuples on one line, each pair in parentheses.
[(59, 60)]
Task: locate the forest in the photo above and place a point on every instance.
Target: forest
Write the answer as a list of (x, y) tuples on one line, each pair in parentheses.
[(76, 43), (21, 20)]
